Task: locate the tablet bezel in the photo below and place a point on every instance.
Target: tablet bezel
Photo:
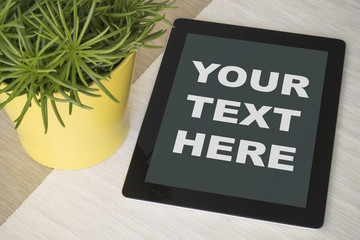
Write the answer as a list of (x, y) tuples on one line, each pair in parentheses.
[(313, 215)]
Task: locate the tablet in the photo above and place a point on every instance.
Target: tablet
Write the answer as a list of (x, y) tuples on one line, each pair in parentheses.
[(241, 121)]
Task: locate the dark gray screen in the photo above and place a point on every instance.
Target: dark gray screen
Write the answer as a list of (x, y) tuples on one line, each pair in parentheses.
[(261, 133)]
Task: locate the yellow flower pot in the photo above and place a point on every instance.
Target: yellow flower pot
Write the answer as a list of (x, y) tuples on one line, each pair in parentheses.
[(89, 136)]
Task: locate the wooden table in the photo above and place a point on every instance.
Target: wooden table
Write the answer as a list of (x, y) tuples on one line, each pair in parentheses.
[(41, 203)]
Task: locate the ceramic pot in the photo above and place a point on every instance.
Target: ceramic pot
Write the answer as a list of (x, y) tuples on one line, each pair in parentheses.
[(89, 136)]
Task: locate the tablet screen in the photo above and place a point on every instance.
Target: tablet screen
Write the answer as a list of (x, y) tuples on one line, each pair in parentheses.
[(241, 120)]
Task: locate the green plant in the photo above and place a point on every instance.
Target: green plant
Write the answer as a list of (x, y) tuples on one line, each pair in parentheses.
[(65, 46)]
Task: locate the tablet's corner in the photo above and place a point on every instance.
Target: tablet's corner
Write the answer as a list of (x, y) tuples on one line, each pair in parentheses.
[(179, 21)]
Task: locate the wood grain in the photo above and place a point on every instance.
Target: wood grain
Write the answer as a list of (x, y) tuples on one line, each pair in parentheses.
[(19, 174), (88, 204)]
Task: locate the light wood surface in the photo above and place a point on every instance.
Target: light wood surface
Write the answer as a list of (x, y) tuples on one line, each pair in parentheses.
[(88, 204)]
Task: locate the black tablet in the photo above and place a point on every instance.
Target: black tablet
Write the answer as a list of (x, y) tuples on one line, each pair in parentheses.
[(241, 121)]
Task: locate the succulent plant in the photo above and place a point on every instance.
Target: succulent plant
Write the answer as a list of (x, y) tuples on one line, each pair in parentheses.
[(66, 46)]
